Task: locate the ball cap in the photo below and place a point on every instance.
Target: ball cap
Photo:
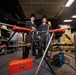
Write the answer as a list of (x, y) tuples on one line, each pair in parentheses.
[(44, 16), (32, 15)]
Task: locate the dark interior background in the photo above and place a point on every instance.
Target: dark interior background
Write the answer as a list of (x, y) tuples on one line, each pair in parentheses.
[(11, 12)]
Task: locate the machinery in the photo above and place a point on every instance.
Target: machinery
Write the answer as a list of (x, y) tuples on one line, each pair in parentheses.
[(58, 59)]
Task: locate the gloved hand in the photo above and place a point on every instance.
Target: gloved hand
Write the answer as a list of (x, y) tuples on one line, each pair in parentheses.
[(33, 28)]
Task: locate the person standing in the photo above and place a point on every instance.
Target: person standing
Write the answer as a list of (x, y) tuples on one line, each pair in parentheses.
[(43, 28), (31, 24)]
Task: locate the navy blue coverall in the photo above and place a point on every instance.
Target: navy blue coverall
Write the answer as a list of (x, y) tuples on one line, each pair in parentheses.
[(29, 40), (43, 38)]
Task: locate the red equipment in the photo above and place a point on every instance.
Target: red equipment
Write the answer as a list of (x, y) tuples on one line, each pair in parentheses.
[(57, 31), (20, 29), (20, 65)]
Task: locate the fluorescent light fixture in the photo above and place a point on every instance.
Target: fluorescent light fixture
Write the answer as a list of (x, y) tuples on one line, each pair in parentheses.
[(68, 4), (74, 16), (67, 20)]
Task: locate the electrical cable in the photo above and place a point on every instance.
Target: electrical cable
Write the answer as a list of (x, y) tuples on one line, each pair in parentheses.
[(67, 59), (70, 66)]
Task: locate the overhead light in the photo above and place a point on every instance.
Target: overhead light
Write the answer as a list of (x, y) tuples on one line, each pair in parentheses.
[(68, 4), (67, 20), (74, 16)]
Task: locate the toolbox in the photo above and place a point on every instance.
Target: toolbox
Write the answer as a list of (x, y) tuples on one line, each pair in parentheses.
[(20, 65)]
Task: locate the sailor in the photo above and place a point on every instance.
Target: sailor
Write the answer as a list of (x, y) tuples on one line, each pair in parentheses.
[(31, 24), (43, 29)]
